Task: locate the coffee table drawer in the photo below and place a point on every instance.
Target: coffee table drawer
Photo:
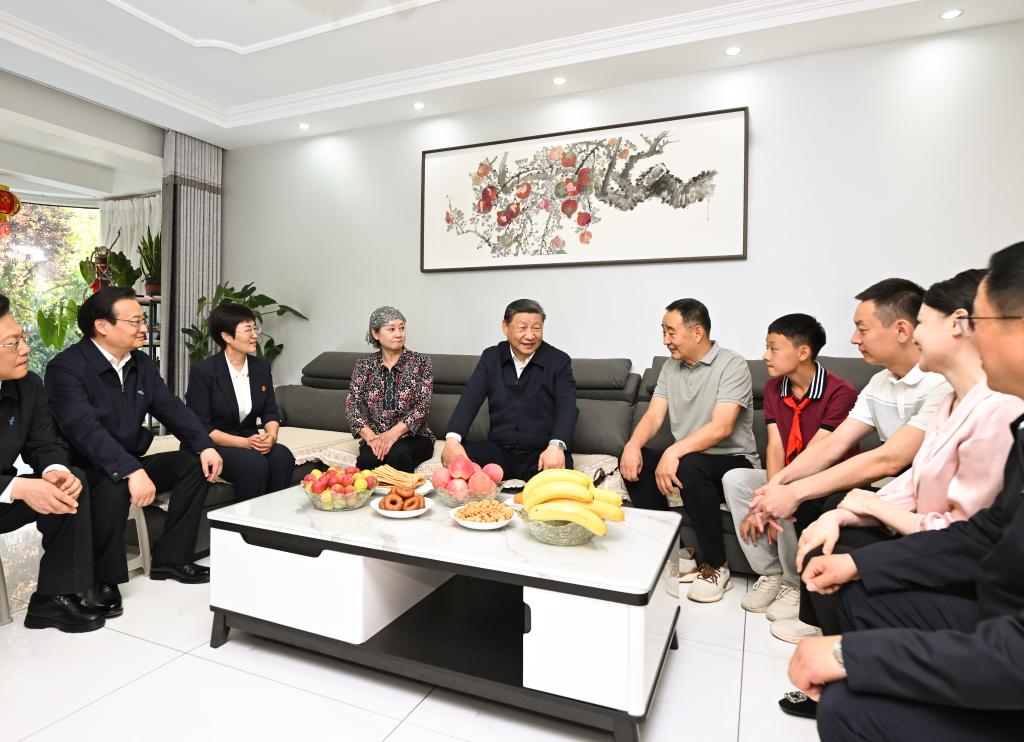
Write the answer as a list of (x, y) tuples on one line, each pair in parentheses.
[(330, 593)]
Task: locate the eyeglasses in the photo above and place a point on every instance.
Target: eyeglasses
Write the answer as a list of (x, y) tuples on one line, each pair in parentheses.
[(966, 322), (136, 323), (15, 344), (251, 331)]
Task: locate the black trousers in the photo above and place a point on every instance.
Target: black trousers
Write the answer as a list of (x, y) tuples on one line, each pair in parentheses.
[(405, 455), (845, 715), (253, 473), (517, 463), (66, 566), (701, 476), (177, 471), (823, 610)]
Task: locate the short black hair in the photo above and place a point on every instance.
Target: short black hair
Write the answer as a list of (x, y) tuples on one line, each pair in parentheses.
[(225, 317), (800, 329), (894, 298), (1005, 280), (101, 306), (523, 306), (693, 313), (5, 305), (955, 293)]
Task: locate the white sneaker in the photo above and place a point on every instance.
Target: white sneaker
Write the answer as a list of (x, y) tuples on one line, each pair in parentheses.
[(786, 605), (710, 585), (687, 566), (762, 595), (792, 630)]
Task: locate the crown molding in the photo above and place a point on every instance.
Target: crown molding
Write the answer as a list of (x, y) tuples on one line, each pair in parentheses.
[(276, 41), (735, 18)]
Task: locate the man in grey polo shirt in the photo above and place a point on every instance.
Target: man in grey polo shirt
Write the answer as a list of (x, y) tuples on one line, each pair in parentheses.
[(707, 393)]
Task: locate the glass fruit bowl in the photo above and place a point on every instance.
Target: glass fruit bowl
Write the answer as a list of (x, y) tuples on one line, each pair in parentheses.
[(334, 501), (445, 497), (556, 532)]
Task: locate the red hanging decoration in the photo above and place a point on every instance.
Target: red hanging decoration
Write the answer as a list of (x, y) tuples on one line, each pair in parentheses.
[(9, 206)]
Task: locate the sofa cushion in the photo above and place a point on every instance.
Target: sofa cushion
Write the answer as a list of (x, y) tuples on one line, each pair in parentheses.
[(602, 427), (441, 408), (330, 370), (306, 407), (601, 373)]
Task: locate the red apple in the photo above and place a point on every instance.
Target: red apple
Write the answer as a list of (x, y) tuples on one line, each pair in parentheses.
[(337, 488), (495, 472), (480, 484), (583, 218), (440, 478), (461, 468), (351, 469), (318, 486), (371, 482), (346, 480), (348, 490)]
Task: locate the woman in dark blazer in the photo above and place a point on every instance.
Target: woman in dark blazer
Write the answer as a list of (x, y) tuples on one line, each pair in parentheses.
[(228, 392)]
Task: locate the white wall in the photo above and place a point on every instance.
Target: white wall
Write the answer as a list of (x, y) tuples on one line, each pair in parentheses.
[(902, 159)]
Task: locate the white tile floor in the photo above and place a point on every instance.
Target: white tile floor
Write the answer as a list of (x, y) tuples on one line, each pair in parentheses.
[(154, 675)]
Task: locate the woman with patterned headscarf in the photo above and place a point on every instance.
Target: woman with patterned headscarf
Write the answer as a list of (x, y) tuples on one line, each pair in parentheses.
[(389, 398)]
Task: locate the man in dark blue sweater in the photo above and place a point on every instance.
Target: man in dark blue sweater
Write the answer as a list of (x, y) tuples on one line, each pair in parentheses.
[(101, 390), (531, 400)]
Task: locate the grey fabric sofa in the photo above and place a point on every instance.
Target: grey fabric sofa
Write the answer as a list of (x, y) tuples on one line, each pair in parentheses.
[(853, 370)]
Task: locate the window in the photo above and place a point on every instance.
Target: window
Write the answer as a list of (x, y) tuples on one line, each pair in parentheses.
[(39, 267)]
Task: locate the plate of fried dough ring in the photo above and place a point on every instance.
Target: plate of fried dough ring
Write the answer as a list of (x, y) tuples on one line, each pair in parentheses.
[(402, 502)]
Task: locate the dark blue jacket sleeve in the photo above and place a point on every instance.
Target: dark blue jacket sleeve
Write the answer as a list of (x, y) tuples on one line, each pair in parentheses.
[(270, 412), (43, 446), (566, 411), (473, 395)]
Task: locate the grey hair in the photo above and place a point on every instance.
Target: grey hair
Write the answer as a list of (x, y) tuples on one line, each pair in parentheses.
[(378, 318), (527, 306)]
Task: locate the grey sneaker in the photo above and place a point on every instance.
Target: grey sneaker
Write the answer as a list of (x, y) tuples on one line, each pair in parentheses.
[(793, 630), (672, 581), (785, 606), (687, 566), (711, 584), (763, 594)]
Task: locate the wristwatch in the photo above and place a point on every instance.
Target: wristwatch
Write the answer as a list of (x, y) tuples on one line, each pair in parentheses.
[(837, 652), (557, 444)]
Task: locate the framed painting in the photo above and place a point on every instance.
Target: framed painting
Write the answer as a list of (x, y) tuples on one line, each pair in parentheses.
[(663, 190)]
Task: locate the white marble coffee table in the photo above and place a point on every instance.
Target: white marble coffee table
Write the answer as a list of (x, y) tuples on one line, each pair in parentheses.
[(580, 633)]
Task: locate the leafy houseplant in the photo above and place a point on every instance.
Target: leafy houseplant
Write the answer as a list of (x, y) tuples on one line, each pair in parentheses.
[(197, 335), (150, 254), (54, 323), (122, 272)]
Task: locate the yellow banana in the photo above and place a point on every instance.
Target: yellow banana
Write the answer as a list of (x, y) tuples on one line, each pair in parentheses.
[(557, 490), (573, 512), (605, 510), (612, 498), (559, 475)]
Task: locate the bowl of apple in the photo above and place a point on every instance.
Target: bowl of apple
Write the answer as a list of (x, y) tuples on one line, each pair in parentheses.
[(339, 489), (464, 481)]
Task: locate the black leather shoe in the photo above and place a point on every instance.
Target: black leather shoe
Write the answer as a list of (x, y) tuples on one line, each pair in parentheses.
[(104, 598), (189, 573), (64, 612), (796, 703)]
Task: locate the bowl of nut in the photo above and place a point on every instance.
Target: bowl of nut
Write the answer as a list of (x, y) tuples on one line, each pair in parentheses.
[(483, 515)]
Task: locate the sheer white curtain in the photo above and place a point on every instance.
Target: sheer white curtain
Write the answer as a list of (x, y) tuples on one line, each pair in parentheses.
[(131, 216)]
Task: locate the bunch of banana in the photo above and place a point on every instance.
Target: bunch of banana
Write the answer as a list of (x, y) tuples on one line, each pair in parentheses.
[(566, 494)]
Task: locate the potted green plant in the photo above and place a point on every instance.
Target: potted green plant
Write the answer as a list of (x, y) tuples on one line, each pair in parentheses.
[(149, 253), (197, 335)]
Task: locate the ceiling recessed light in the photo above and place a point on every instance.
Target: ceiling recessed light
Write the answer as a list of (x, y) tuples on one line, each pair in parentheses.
[(559, 80), (419, 105), (951, 15), (732, 51)]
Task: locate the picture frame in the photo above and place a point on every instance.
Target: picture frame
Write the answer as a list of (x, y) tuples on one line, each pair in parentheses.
[(656, 191)]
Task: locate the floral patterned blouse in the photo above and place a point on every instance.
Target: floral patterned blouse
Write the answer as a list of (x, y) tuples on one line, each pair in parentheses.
[(379, 397)]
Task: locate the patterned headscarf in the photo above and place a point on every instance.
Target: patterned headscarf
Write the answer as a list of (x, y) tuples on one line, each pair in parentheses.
[(380, 317)]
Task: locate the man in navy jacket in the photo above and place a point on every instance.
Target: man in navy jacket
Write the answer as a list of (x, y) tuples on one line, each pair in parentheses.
[(101, 390), (933, 623), (531, 400)]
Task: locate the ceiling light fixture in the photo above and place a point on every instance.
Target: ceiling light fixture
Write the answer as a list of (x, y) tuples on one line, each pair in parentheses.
[(559, 80), (951, 15), (304, 126), (419, 105), (732, 51)]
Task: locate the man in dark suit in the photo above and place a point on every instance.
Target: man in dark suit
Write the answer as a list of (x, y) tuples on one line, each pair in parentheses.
[(933, 623), (56, 501), (101, 390), (531, 400)]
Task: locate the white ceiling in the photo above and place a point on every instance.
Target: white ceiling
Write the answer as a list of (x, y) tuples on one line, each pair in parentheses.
[(245, 72)]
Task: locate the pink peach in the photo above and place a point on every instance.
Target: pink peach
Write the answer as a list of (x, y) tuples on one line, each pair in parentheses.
[(495, 472), (440, 478), (480, 484), (461, 468)]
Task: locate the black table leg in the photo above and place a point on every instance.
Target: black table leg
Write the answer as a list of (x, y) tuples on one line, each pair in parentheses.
[(626, 729), (675, 640), (219, 633)]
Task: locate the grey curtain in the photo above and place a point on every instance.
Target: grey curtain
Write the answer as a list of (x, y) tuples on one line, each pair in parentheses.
[(193, 172)]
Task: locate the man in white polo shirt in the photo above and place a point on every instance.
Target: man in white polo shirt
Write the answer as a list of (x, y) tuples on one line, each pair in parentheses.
[(897, 404)]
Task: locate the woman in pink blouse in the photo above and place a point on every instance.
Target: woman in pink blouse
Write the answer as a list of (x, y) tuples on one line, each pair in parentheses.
[(389, 397)]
